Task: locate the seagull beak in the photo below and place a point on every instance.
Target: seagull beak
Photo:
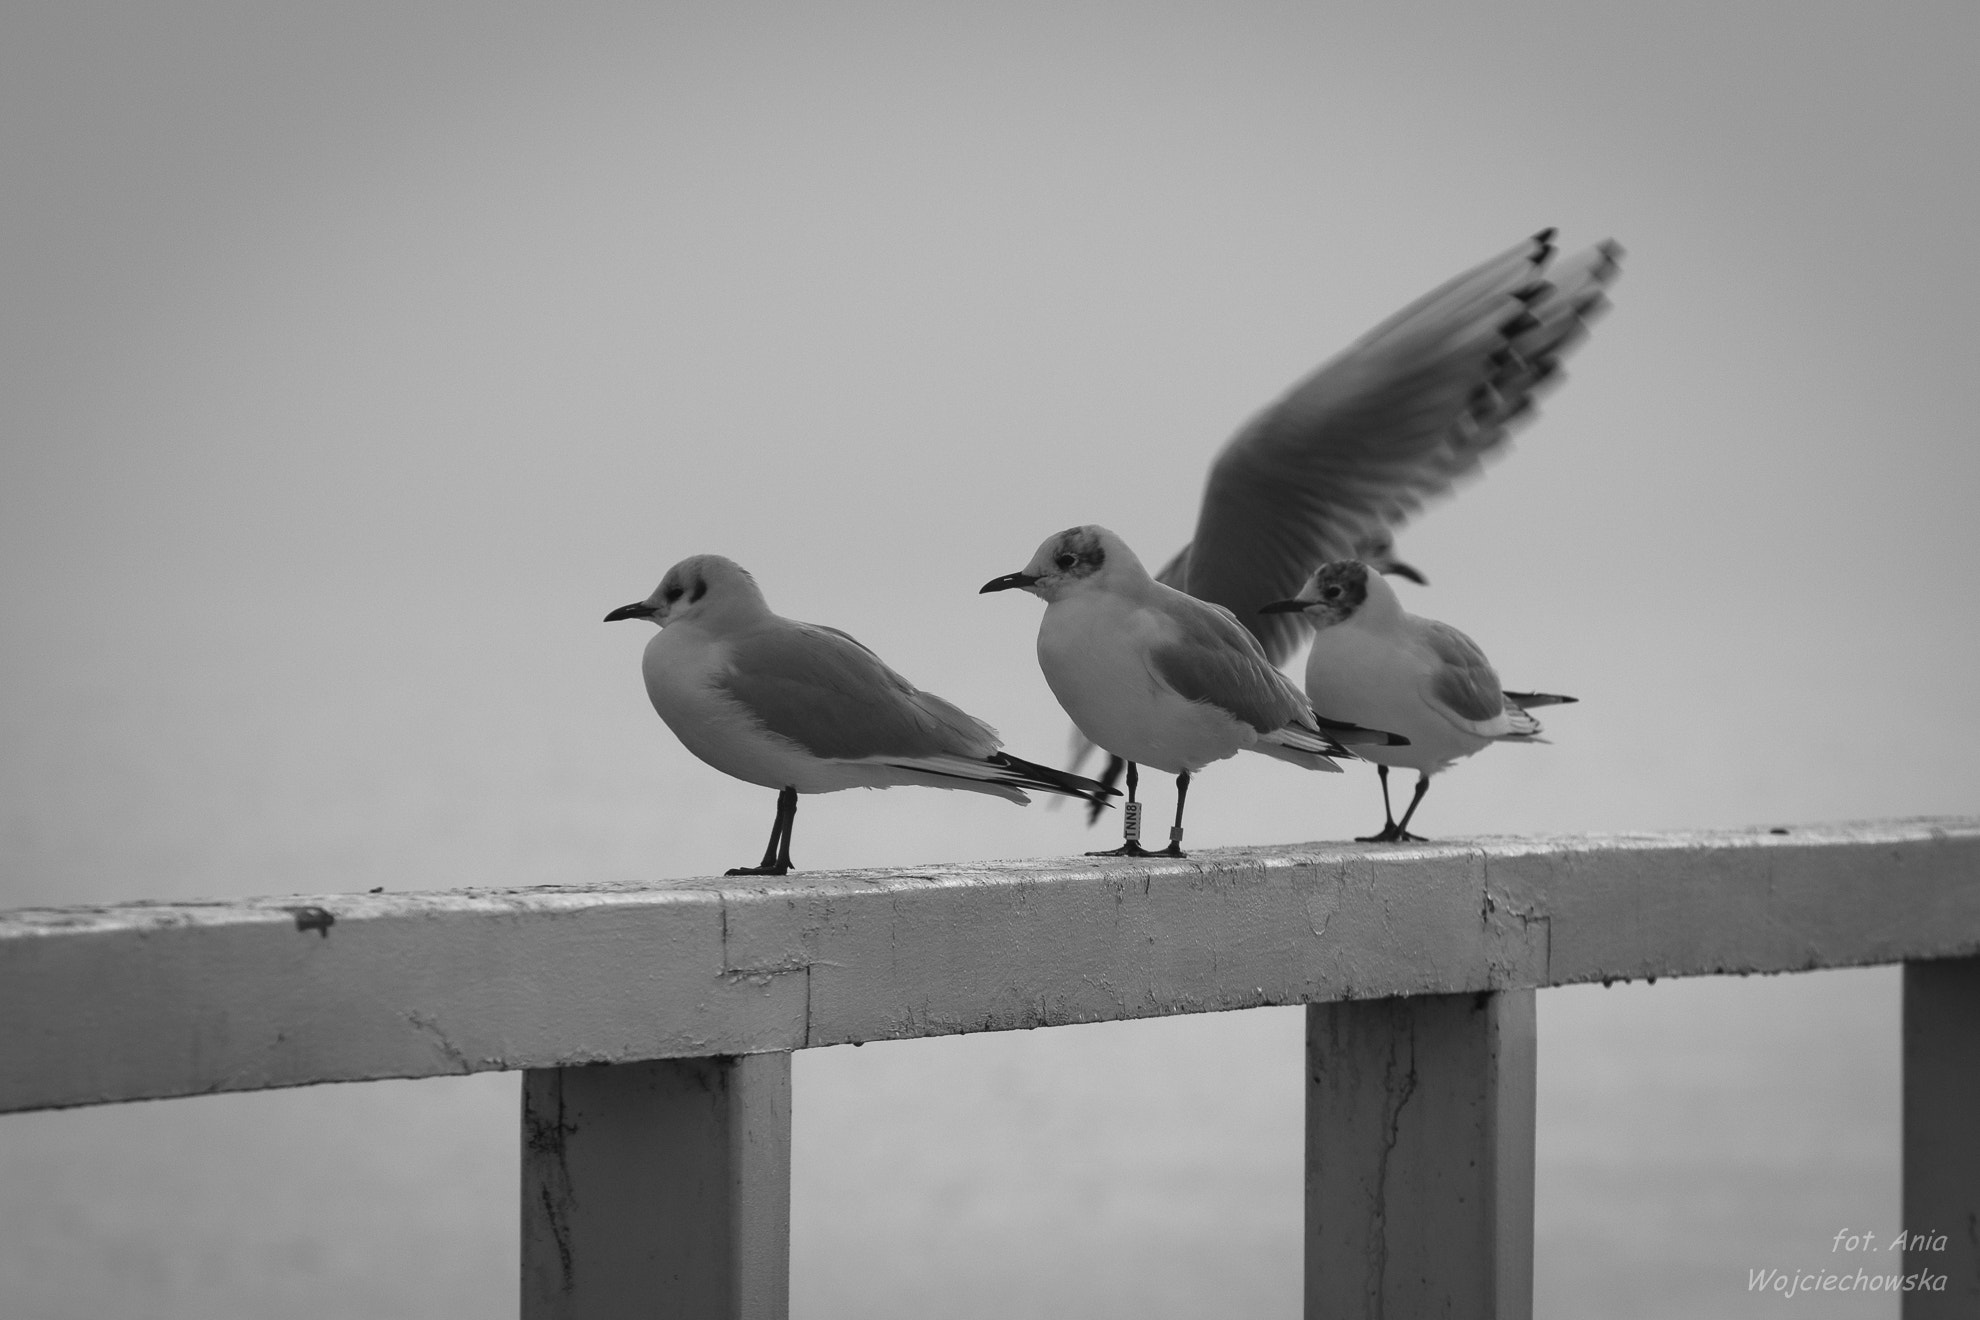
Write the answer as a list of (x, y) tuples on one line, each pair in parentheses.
[(1402, 570), (1006, 582), (1284, 607), (639, 609)]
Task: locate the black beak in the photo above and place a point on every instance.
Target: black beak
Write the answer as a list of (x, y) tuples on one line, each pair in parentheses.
[(1284, 607), (1402, 570), (1006, 582), (639, 609)]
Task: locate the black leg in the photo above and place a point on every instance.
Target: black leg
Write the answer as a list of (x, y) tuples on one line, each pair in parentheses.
[(1175, 832), (1388, 834), (1130, 822), (777, 855), (1402, 828)]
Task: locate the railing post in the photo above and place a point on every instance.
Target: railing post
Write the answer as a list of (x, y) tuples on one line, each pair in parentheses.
[(657, 1189), (1942, 1135), (1419, 1157)]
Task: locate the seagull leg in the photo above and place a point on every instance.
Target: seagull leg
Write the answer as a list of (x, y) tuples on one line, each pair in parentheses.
[(1402, 828), (1130, 822), (777, 855), (1390, 830), (1175, 833)]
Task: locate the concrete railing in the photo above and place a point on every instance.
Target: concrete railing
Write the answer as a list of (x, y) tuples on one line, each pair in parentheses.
[(655, 1024)]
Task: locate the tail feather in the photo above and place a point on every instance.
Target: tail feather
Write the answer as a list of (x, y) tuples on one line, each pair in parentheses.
[(1528, 700), (999, 773), (1353, 735), (1524, 727), (1029, 774), (1299, 756), (1108, 778), (1302, 747)]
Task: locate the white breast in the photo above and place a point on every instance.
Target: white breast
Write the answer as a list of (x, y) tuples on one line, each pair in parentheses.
[(680, 665), (1093, 648), (1370, 679)]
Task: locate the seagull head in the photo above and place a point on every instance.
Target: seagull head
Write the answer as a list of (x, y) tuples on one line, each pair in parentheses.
[(706, 587), (1336, 593), (1076, 559)]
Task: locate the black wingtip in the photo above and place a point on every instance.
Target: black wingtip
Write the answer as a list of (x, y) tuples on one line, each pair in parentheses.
[(1356, 736), (1047, 780), (1526, 700), (1108, 778)]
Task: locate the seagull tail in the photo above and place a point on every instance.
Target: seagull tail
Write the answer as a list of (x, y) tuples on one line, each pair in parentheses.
[(1523, 727), (1353, 735), (1528, 700), (1301, 747), (1043, 778), (1109, 776)]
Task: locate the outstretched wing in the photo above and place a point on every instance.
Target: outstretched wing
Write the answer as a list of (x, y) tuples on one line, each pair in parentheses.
[(1404, 412), (836, 699)]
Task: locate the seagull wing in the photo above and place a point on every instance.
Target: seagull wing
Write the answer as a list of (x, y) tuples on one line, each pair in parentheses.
[(1396, 418), (1464, 688), (1206, 655), (833, 697)]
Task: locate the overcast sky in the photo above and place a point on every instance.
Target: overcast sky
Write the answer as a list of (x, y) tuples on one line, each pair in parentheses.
[(361, 357), (355, 359)]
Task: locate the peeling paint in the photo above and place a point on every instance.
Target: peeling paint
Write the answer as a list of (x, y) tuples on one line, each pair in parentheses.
[(428, 1027), (1395, 1096), (705, 966), (546, 1135)]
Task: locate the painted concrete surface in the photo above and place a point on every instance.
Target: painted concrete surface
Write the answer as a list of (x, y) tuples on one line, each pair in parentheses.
[(154, 1000)]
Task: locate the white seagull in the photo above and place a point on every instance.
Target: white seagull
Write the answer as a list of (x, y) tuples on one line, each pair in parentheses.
[(803, 708), (1352, 451), (1375, 663), (1157, 677)]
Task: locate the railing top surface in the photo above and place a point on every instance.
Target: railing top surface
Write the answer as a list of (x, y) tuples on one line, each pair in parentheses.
[(141, 1000)]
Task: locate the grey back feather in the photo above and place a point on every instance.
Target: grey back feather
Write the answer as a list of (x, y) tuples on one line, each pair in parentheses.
[(835, 698), (1464, 681), (1216, 660)]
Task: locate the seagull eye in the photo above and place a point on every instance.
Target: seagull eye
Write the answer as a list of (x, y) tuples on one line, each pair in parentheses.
[(1066, 561), (673, 593), (1332, 593)]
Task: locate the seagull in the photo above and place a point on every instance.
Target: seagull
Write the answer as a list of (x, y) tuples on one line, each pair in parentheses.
[(1159, 678), (1374, 662), (803, 708), (1352, 451)]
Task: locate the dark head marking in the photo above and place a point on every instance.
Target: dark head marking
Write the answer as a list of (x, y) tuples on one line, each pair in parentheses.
[(1343, 582), (700, 590), (1339, 589), (1078, 552)]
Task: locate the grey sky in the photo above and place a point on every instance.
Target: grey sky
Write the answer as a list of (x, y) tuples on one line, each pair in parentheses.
[(362, 356), (358, 358)]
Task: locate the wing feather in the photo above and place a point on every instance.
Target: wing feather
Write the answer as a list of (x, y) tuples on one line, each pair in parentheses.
[(1398, 417), (1212, 658), (833, 697), (1463, 684)]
